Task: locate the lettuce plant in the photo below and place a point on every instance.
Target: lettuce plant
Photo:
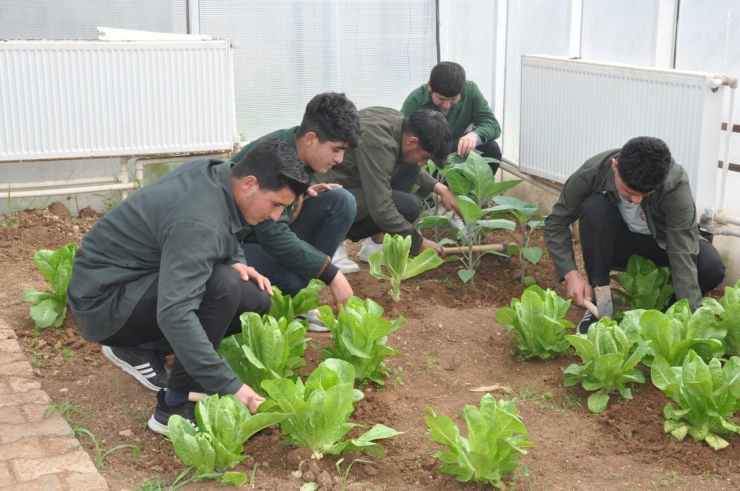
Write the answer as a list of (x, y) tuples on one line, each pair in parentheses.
[(319, 411), (523, 212), (299, 305), (496, 439), (707, 395), (395, 258), (266, 349), (538, 321), (728, 311), (646, 285), (360, 334), (671, 335), (50, 306), (609, 354), (224, 424), (471, 176)]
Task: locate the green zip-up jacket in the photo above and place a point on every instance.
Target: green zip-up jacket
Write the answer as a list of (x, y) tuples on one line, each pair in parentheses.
[(177, 228), (472, 108), (367, 170), (670, 212), (276, 237)]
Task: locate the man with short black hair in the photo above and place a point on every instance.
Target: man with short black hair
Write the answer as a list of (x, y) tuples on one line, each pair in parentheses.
[(299, 245), (164, 271), (382, 170), (633, 200), (472, 123)]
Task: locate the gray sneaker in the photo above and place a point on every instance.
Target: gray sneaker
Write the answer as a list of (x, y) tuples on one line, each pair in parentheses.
[(314, 324), (146, 366)]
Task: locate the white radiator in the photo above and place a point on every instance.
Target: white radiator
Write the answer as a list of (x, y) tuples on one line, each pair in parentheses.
[(78, 99), (573, 109)]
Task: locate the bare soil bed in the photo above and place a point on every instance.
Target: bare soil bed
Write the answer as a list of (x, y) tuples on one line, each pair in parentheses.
[(451, 344)]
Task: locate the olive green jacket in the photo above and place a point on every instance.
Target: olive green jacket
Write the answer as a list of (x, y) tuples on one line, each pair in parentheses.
[(670, 213), (366, 172)]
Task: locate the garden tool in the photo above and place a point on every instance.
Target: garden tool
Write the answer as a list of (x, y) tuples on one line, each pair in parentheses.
[(502, 247), (604, 306), (196, 396)]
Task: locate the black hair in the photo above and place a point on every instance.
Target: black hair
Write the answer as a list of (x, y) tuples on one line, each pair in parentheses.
[(275, 165), (433, 132), (643, 163), (332, 117), (447, 79)]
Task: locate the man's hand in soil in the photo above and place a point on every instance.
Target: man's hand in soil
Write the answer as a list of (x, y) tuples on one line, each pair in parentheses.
[(341, 289), (577, 288), (247, 273), (428, 244), (249, 398)]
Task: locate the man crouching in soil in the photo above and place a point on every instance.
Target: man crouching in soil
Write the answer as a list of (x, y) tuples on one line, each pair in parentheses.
[(165, 269)]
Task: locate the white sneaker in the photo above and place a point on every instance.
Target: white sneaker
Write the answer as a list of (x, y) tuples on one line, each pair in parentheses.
[(368, 247), (314, 324), (342, 261), (456, 221)]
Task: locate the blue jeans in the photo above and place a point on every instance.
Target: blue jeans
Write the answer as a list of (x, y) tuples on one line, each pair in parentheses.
[(323, 222)]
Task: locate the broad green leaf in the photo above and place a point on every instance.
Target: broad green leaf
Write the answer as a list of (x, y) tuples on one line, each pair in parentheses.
[(48, 312), (235, 478), (533, 254), (597, 401), (428, 259), (466, 274), (469, 210)]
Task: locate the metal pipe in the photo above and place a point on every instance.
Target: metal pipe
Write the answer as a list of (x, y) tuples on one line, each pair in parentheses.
[(158, 159), (728, 140)]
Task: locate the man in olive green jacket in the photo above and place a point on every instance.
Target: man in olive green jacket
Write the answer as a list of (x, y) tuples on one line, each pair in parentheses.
[(472, 123), (633, 200), (382, 170)]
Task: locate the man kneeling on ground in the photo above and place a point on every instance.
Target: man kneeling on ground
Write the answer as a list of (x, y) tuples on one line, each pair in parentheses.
[(165, 268), (633, 200), (381, 172)]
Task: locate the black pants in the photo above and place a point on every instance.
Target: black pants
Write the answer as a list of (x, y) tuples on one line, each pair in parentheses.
[(608, 243), (491, 149), (226, 297), (406, 203)]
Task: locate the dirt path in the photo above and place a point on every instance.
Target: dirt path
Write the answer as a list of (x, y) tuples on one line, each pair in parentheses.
[(450, 345)]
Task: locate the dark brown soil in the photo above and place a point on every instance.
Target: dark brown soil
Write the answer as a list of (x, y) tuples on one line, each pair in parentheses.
[(450, 344)]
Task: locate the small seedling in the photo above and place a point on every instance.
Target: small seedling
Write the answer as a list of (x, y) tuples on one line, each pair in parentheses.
[(345, 475), (100, 456)]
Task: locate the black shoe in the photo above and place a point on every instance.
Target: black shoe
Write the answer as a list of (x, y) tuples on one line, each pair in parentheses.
[(586, 322), (163, 412), (146, 366)]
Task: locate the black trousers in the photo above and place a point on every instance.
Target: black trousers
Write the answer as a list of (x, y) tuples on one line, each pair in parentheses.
[(226, 298), (491, 149), (408, 205), (608, 243)]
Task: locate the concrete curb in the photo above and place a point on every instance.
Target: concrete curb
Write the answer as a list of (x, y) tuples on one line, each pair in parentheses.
[(36, 453)]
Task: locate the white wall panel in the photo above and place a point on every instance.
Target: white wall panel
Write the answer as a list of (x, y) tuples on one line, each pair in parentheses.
[(376, 51), (533, 26), (619, 32)]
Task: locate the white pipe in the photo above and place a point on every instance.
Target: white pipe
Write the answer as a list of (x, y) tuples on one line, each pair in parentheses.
[(87, 189), (51, 184), (142, 161), (735, 232), (724, 218), (728, 140)]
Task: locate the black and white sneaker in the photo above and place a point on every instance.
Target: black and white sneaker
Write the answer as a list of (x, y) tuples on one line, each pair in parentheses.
[(144, 365), (162, 413), (588, 319)]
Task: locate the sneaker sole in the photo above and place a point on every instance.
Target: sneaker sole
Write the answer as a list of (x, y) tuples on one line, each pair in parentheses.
[(156, 426), (317, 328), (350, 270), (108, 353)]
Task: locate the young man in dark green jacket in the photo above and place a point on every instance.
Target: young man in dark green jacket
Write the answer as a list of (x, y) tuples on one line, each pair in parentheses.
[(299, 245), (382, 170), (633, 200), (471, 120), (164, 268)]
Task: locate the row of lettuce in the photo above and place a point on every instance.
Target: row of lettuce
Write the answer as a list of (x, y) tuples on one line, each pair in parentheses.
[(694, 358), (268, 356)]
